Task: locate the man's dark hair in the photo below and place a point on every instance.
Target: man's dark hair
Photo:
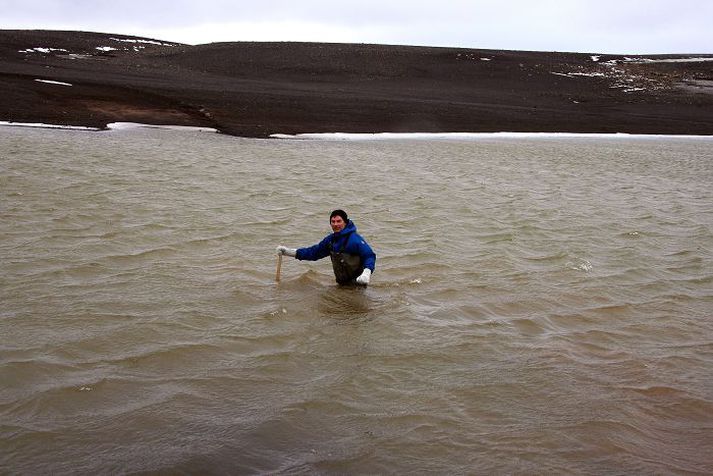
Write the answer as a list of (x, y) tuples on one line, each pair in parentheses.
[(341, 213)]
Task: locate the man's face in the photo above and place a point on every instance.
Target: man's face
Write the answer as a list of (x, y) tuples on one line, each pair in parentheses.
[(337, 223)]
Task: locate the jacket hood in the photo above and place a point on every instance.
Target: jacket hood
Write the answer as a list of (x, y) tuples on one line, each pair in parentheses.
[(350, 228)]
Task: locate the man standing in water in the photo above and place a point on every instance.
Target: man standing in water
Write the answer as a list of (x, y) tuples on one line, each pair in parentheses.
[(352, 258)]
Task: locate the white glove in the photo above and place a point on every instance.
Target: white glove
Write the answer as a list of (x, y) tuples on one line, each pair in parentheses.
[(283, 250), (364, 277)]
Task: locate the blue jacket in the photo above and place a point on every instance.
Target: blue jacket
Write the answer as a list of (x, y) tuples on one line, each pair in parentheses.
[(346, 241)]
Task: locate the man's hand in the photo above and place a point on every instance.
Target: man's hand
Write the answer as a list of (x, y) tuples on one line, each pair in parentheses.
[(364, 277), (283, 250)]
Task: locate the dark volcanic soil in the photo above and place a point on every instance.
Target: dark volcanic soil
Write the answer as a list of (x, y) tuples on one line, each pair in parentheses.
[(257, 89)]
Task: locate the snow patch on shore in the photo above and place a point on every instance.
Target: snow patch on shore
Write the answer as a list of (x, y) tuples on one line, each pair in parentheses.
[(134, 45), (625, 79), (348, 136), (47, 126), (344, 136), (49, 81), (136, 125), (111, 126), (148, 42), (668, 60), (43, 50), (618, 76), (573, 75)]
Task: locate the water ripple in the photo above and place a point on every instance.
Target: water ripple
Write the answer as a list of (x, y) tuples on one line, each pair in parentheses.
[(539, 306)]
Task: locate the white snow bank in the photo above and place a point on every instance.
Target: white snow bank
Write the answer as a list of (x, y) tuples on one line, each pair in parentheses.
[(336, 136), (135, 125), (112, 126), (345, 136), (48, 126)]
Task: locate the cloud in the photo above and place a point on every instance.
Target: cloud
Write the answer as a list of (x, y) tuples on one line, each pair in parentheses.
[(634, 26)]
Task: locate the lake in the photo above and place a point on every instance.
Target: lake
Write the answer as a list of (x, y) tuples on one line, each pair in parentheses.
[(541, 305)]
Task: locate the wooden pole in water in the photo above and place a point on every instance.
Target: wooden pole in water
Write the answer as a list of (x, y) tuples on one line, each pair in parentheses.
[(279, 265)]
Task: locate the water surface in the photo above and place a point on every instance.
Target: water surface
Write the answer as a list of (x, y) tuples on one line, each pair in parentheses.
[(540, 305)]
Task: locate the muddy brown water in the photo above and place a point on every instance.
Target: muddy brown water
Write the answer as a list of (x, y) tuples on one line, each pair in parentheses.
[(540, 305)]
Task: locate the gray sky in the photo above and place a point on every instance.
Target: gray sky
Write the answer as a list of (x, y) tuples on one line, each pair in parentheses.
[(597, 26)]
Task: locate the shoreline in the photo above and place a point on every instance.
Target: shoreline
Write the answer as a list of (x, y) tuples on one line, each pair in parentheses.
[(337, 136), (113, 126), (370, 136)]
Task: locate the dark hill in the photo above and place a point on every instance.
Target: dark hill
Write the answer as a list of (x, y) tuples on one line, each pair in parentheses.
[(257, 89)]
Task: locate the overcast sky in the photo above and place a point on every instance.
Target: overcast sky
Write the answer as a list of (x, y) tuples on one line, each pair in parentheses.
[(597, 26)]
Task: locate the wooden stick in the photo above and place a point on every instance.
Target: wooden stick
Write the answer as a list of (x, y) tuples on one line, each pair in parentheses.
[(279, 266)]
